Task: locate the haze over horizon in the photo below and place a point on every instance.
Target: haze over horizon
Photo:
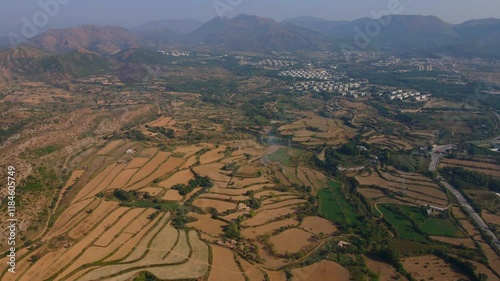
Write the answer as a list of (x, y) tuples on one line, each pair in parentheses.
[(129, 13)]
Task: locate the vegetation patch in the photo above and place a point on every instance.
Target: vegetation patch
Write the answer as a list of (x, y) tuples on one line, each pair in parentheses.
[(334, 206)]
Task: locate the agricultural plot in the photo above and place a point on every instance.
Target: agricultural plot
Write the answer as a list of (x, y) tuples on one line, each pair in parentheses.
[(313, 130), (253, 232), (406, 219), (213, 155), (406, 187), (110, 147), (403, 226), (71, 181), (220, 206), (269, 215), (194, 267), (88, 188), (291, 241), (172, 195), (391, 143), (150, 167), (467, 242), (476, 166), (317, 225), (384, 270), (321, 271), (224, 266), (334, 206), (431, 267), (207, 225), (251, 271), (181, 177), (137, 163), (165, 168), (283, 203), (122, 179)]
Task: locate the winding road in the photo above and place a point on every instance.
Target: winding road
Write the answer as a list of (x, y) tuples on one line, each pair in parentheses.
[(436, 157)]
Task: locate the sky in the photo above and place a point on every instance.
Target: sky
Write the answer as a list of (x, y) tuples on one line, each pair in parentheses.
[(129, 13)]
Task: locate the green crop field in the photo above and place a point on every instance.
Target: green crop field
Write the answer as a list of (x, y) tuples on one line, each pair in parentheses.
[(441, 227), (334, 206), (430, 225), (402, 224)]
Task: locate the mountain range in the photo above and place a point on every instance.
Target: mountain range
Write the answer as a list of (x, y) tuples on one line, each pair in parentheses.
[(246, 32)]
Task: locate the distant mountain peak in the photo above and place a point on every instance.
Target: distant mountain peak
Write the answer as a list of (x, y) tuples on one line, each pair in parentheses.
[(252, 32)]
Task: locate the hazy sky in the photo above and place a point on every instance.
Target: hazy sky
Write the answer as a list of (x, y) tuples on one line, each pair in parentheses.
[(131, 12)]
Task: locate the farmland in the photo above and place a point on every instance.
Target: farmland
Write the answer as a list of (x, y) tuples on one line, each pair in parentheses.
[(214, 172), (334, 206)]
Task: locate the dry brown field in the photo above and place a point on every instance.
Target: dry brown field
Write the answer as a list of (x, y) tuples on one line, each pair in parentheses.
[(224, 197), (212, 171), (110, 147), (253, 232), (213, 155), (220, 206), (426, 267), (385, 271), (240, 191), (322, 271), (93, 183), (89, 221), (271, 193), (122, 179), (137, 163), (467, 242), (150, 167), (490, 218), (265, 216), (71, 181), (371, 193), (181, 177), (172, 195), (152, 191), (291, 241), (276, 275), (206, 224), (318, 225), (223, 266), (251, 271), (291, 175), (290, 202)]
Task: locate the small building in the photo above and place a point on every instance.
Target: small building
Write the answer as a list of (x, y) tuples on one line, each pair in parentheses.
[(343, 244), (242, 207), (130, 151)]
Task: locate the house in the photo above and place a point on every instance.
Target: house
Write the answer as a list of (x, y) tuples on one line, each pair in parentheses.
[(432, 210), (343, 244), (242, 207), (130, 151)]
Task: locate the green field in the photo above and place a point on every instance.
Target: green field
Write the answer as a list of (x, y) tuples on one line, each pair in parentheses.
[(402, 224), (334, 206), (432, 226)]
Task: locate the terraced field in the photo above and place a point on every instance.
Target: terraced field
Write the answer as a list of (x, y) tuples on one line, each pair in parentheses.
[(408, 188)]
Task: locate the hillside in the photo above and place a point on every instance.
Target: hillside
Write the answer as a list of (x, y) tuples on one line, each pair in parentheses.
[(406, 32), (102, 40), (251, 32), (30, 63)]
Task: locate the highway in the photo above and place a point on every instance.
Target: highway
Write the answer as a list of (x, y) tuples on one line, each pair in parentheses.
[(436, 157)]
